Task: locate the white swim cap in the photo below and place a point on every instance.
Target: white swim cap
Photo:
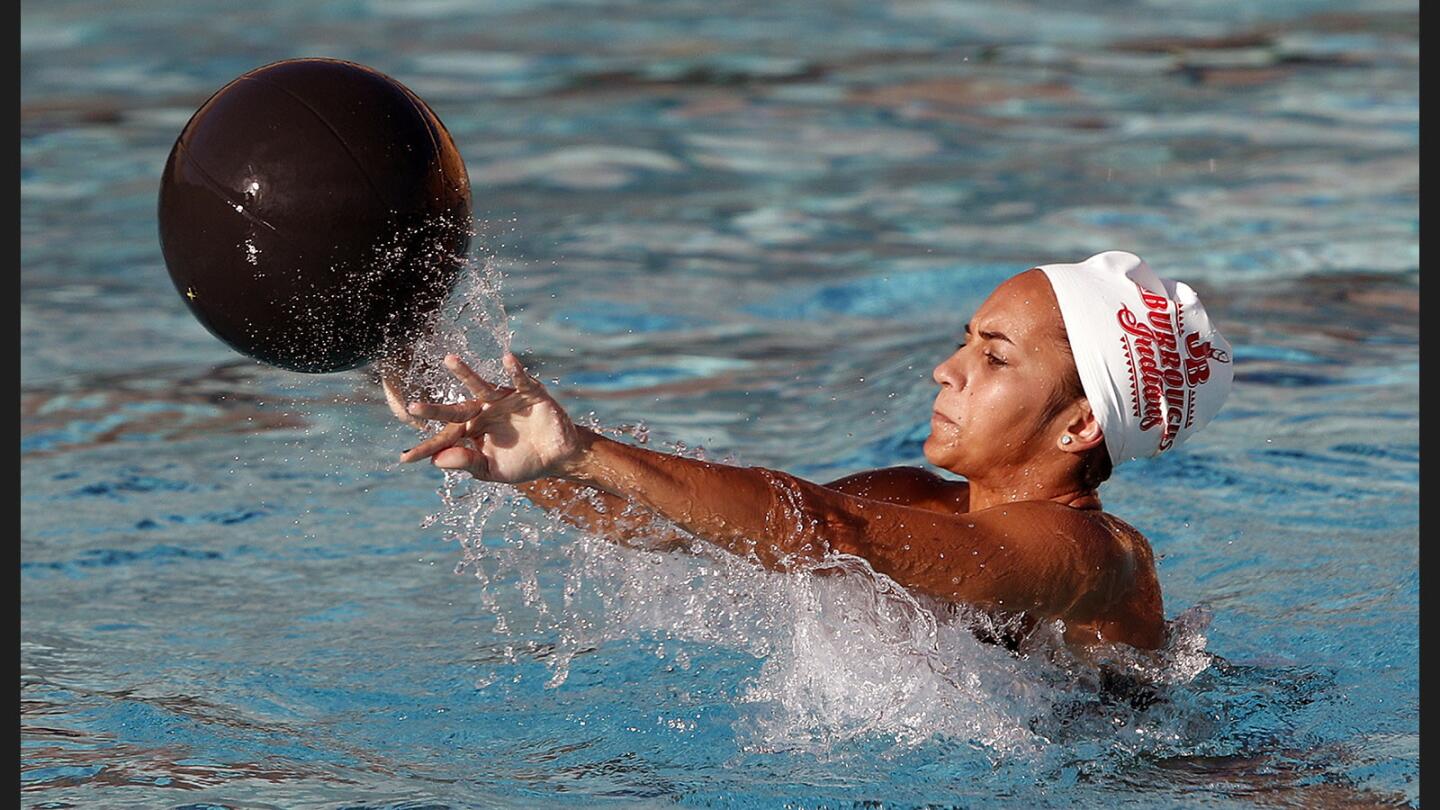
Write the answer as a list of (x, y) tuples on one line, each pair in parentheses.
[(1154, 368)]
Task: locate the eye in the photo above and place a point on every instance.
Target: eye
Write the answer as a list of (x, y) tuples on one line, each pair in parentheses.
[(995, 360), (959, 346)]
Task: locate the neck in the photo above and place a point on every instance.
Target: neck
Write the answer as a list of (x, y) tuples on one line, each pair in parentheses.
[(992, 490)]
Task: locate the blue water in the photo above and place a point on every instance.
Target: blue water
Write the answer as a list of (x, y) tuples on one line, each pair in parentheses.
[(745, 232)]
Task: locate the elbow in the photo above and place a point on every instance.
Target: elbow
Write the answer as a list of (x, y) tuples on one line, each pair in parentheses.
[(804, 525)]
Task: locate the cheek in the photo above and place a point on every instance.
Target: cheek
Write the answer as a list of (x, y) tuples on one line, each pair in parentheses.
[(1007, 407), (1000, 397)]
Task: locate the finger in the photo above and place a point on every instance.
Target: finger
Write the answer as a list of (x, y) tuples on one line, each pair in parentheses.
[(524, 383), (447, 437), (446, 411), (477, 385), (495, 412), (396, 403)]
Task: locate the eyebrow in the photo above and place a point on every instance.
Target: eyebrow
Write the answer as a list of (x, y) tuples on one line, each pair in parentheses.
[(991, 335)]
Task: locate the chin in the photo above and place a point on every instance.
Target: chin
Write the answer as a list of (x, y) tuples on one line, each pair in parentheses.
[(935, 451), (943, 454)]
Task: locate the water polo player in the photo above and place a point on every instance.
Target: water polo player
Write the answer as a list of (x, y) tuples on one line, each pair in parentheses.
[(1066, 370)]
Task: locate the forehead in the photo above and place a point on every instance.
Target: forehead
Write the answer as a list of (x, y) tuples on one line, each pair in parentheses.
[(1023, 305)]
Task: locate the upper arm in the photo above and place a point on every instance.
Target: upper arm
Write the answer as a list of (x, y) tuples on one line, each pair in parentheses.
[(906, 486)]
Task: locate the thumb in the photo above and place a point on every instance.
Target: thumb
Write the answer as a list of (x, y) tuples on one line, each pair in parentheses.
[(395, 400), (461, 458)]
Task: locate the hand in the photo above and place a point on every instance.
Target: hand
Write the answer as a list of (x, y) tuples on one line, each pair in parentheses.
[(510, 435)]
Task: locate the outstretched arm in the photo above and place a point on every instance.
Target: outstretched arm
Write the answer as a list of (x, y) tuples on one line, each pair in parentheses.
[(626, 522), (619, 519)]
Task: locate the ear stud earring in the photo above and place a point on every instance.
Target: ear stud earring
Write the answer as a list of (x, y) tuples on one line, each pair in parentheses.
[(1065, 440)]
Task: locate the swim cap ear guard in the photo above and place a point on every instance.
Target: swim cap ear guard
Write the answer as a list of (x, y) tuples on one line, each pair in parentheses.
[(1153, 366)]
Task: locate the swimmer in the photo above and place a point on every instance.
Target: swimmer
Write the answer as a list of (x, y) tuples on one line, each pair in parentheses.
[(1065, 370)]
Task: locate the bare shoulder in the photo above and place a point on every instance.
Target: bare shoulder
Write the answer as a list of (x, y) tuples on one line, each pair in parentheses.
[(1119, 593), (1124, 539), (1110, 561), (907, 486), (1091, 526)]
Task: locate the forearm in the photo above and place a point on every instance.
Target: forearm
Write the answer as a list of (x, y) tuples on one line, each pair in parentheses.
[(741, 509), (602, 514)]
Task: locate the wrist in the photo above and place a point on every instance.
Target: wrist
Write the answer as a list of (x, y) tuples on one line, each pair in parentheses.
[(578, 465)]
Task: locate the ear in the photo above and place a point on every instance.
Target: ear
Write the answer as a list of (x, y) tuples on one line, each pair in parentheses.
[(1082, 430)]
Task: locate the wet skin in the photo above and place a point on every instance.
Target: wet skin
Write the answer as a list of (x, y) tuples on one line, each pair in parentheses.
[(1021, 535)]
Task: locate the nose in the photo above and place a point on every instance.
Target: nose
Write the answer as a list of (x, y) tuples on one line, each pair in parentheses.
[(947, 374)]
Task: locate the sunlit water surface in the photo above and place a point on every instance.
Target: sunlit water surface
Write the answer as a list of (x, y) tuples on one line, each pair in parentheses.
[(740, 234)]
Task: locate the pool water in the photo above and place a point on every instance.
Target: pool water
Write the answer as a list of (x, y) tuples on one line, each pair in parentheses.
[(745, 233)]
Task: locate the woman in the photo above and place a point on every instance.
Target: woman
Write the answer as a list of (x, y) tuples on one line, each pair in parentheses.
[(1066, 370)]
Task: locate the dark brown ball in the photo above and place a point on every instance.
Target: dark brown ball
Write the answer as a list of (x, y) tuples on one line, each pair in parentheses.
[(313, 213)]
